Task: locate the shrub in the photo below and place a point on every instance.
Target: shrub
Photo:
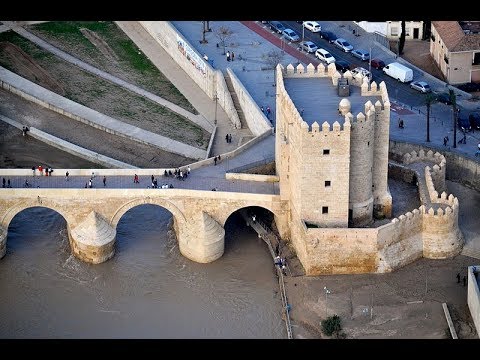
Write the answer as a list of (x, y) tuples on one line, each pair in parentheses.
[(332, 325)]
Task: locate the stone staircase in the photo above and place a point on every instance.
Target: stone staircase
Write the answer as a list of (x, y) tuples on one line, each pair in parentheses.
[(236, 102)]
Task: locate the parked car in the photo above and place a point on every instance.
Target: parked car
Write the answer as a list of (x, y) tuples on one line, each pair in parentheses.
[(290, 35), (469, 87), (328, 35), (343, 44), (362, 71), (464, 124), (474, 119), (377, 64), (276, 26), (308, 46), (313, 26), (324, 55), (443, 98), (342, 66), (421, 86), (361, 54)]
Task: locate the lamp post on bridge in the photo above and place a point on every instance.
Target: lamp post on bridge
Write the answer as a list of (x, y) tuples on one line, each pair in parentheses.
[(326, 293)]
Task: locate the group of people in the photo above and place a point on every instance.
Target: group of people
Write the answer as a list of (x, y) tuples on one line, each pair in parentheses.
[(41, 169), (228, 138), (267, 111), (6, 183), (281, 263), (217, 158), (230, 56)]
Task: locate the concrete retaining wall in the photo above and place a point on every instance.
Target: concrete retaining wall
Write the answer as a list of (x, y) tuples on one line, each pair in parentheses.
[(225, 100), (459, 168), (256, 119), (473, 296), (251, 177), (52, 101), (211, 81), (70, 148)]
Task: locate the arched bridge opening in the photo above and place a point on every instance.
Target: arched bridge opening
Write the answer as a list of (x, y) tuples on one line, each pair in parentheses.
[(40, 228), (145, 228)]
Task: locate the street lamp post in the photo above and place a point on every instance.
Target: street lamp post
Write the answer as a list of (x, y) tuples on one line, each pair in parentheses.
[(216, 102), (326, 293), (370, 64), (303, 34)]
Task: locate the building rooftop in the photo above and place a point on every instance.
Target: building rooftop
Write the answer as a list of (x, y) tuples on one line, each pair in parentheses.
[(319, 99), (454, 36)]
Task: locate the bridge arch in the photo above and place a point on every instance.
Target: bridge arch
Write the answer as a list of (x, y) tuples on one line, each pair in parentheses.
[(176, 212), (226, 215), (30, 203)]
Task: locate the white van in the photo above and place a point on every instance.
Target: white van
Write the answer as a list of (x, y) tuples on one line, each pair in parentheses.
[(399, 72)]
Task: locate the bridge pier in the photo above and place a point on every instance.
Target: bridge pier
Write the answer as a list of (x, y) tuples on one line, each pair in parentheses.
[(93, 240), (205, 241)]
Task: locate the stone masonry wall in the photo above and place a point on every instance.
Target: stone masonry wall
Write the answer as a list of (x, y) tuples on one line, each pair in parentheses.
[(211, 81)]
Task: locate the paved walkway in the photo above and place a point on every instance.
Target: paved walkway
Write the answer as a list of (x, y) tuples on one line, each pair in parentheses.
[(205, 106), (205, 178)]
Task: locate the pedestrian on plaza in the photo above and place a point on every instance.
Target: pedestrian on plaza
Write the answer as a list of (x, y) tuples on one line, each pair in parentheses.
[(445, 141), (66, 175), (153, 178), (4, 182), (464, 280), (104, 181), (233, 55), (226, 138), (228, 55), (188, 170), (135, 179), (8, 184), (230, 138), (86, 185), (458, 278), (40, 169), (33, 171), (301, 112), (215, 160), (219, 158), (90, 185), (263, 111), (50, 170), (268, 111)]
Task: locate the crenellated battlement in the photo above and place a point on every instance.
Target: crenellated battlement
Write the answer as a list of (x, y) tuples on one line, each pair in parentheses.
[(421, 156)]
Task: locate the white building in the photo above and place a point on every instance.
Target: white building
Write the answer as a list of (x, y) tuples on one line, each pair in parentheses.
[(392, 29)]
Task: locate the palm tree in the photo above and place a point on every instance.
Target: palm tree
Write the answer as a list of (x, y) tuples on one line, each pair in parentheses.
[(430, 99), (453, 100)]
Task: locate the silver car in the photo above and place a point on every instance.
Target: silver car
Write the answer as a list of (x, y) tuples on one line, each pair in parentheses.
[(343, 44), (361, 54), (290, 35), (421, 86), (308, 46)]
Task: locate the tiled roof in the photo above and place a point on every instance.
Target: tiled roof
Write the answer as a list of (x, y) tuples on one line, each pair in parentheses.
[(454, 38)]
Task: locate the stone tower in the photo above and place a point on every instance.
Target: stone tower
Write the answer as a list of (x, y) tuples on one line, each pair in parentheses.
[(332, 164)]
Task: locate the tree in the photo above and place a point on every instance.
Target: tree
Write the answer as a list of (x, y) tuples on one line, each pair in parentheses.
[(430, 99), (401, 42), (453, 100), (204, 30), (223, 33), (332, 325), (272, 58)]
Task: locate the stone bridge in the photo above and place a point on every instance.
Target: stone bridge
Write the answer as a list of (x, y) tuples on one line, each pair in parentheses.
[(92, 215)]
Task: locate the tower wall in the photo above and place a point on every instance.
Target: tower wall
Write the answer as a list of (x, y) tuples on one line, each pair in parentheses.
[(382, 199), (361, 167)]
